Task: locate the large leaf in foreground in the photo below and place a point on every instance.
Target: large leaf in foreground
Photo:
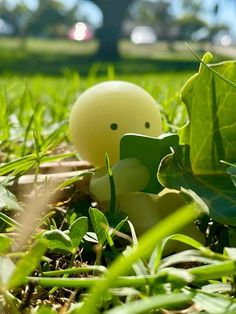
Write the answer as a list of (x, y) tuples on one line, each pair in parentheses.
[(210, 134), (216, 190), (211, 129)]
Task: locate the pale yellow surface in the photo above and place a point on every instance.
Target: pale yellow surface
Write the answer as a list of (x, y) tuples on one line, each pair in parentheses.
[(146, 210), (129, 176), (127, 105)]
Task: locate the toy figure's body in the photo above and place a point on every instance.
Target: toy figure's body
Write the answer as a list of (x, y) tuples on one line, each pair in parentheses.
[(99, 119), (143, 209)]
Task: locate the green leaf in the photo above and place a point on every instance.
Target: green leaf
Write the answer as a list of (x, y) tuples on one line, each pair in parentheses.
[(8, 200), (6, 269), (214, 303), (213, 271), (149, 151), (232, 172), (100, 224), (211, 129), (91, 237), (189, 241), (217, 288), (58, 240), (5, 243), (78, 230), (27, 264), (146, 305), (210, 133), (185, 257), (217, 191)]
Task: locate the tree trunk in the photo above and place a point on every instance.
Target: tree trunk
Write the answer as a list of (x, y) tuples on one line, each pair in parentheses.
[(110, 32)]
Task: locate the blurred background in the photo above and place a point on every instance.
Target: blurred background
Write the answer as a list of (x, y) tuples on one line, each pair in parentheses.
[(47, 36)]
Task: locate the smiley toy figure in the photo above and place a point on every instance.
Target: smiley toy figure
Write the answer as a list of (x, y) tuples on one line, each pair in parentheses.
[(107, 111), (99, 119), (123, 120)]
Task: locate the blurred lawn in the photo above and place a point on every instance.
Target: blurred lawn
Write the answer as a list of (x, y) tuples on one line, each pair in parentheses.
[(52, 57)]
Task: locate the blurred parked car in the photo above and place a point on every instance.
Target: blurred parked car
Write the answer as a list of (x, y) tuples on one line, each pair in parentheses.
[(201, 34), (81, 32), (6, 28), (143, 35)]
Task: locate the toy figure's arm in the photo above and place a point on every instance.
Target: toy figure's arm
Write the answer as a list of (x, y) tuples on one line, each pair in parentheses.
[(129, 176)]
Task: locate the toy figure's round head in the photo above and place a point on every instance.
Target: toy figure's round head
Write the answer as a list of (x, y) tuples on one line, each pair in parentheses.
[(107, 111)]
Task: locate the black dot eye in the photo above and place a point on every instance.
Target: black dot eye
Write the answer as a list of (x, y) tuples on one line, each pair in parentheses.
[(114, 126), (147, 125)]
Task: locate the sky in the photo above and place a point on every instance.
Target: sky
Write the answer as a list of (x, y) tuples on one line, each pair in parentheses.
[(227, 13)]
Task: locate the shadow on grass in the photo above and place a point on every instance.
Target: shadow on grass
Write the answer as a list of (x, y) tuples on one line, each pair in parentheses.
[(32, 63)]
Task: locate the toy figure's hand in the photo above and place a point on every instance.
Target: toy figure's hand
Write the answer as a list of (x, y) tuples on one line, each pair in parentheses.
[(141, 209), (146, 210), (129, 176)]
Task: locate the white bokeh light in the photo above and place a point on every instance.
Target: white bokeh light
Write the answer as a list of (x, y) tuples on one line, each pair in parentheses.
[(226, 40)]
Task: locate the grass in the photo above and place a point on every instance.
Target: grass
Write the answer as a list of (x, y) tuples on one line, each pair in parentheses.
[(57, 254), (43, 103)]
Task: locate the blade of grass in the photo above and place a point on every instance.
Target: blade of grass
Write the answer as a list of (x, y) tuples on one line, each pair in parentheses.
[(85, 269), (11, 222), (27, 264), (122, 281), (4, 121), (171, 275), (214, 271), (196, 244), (27, 162), (209, 67), (112, 185)]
